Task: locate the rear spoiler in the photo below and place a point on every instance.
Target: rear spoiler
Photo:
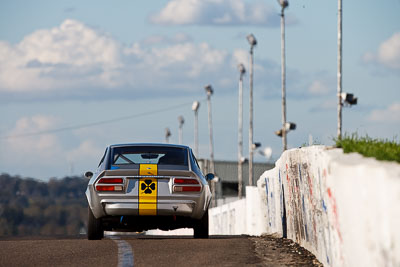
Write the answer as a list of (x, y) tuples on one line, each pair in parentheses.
[(135, 173)]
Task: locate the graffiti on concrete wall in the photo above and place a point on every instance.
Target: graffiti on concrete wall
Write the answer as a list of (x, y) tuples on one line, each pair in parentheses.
[(312, 216), (320, 193)]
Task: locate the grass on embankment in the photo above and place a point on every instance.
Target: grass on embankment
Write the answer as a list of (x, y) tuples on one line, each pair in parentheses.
[(369, 147)]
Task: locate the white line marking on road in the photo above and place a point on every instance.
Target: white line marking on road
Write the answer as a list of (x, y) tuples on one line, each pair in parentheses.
[(125, 253)]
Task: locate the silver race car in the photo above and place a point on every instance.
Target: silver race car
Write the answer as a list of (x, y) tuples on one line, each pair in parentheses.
[(139, 187)]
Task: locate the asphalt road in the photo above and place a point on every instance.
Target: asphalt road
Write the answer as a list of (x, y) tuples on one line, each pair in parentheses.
[(155, 251)]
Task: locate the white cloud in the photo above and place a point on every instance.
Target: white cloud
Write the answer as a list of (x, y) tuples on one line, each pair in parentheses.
[(44, 150), (34, 148), (180, 67), (388, 53), (390, 114), (162, 39), (216, 12), (319, 87), (71, 43), (86, 150), (67, 56), (196, 59), (73, 60), (241, 56)]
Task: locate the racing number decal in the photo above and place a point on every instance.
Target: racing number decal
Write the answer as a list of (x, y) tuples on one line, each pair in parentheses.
[(148, 188)]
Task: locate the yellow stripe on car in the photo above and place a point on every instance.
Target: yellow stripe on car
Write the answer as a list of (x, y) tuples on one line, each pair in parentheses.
[(148, 188), (148, 169), (148, 196)]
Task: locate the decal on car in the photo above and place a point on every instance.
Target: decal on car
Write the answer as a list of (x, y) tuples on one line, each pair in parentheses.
[(148, 188)]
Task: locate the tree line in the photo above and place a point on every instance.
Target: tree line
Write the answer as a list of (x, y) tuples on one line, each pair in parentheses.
[(33, 207)]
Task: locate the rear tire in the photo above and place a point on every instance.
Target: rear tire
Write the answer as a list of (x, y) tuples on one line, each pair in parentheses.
[(95, 229), (201, 227)]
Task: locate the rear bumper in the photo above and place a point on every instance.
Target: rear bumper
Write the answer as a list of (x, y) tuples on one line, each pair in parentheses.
[(193, 206), (164, 208), (162, 200)]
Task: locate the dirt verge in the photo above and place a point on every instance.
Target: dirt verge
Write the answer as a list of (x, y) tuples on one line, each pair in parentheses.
[(282, 252)]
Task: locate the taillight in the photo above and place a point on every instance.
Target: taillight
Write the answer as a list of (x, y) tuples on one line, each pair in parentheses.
[(187, 188), (186, 185), (110, 181), (112, 184), (109, 188), (185, 181)]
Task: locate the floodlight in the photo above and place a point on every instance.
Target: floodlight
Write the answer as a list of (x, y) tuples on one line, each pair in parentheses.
[(209, 90), (279, 132), (284, 3), (266, 152), (252, 39), (349, 99), (256, 145), (242, 69), (167, 132), (290, 126), (195, 105), (181, 120)]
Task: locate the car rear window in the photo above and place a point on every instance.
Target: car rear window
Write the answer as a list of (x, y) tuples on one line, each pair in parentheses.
[(133, 155)]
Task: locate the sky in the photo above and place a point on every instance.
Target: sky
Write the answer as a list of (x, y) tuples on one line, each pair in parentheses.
[(76, 76)]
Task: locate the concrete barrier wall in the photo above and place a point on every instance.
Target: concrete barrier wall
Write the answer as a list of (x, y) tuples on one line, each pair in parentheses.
[(345, 209), (239, 217)]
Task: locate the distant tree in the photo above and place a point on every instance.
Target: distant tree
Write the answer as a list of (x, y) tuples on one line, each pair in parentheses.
[(32, 207)]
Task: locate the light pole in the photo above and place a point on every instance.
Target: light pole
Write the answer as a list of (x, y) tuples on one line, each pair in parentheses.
[(242, 71), (284, 4), (252, 41), (339, 71), (195, 108), (167, 135), (210, 91), (181, 122)]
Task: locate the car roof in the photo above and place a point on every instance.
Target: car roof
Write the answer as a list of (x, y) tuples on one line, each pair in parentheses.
[(149, 144)]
